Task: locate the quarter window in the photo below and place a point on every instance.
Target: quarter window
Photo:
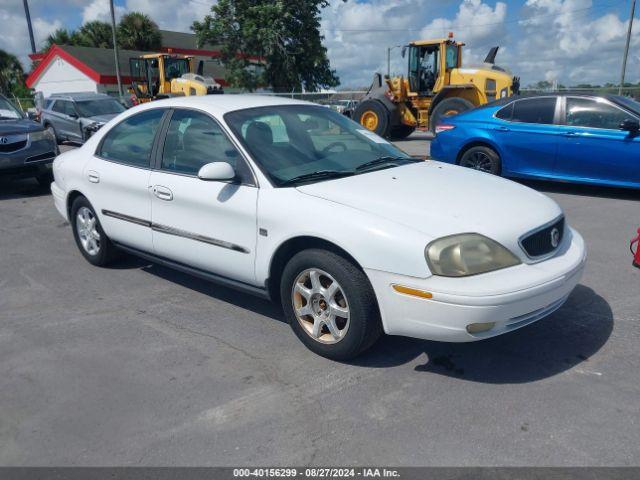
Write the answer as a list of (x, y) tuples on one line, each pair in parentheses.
[(534, 110), (193, 140), (591, 113), (131, 140), (505, 112)]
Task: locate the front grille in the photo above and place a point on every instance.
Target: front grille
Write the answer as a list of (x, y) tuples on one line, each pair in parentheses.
[(545, 240), (12, 147)]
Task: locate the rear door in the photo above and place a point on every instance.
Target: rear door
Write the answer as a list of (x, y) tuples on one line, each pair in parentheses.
[(527, 135), (592, 146), (118, 179)]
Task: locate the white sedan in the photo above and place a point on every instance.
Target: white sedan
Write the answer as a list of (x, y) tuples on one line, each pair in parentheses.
[(297, 203)]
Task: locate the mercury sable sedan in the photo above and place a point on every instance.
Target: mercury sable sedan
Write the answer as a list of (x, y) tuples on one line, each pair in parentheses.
[(295, 202)]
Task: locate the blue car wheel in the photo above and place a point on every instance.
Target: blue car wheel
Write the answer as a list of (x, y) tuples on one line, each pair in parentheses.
[(481, 158)]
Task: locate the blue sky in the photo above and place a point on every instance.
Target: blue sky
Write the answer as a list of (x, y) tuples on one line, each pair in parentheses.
[(572, 41)]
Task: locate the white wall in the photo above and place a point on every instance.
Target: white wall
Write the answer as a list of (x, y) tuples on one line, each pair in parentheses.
[(62, 77)]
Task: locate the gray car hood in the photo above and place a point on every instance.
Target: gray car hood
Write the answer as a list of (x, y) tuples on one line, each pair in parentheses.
[(18, 125)]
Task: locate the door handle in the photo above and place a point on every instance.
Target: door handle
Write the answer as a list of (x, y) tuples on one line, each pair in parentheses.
[(94, 177), (502, 129), (570, 134), (163, 193)]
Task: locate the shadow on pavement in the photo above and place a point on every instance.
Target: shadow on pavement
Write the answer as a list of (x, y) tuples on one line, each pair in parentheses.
[(12, 188), (546, 348), (219, 292)]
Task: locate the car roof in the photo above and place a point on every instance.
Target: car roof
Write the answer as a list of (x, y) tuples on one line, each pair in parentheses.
[(78, 96), (608, 96), (224, 103)]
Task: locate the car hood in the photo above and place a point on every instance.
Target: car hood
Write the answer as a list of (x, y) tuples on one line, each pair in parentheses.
[(439, 199), (102, 118), (21, 125)]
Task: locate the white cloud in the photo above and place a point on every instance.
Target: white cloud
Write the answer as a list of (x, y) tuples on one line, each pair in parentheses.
[(99, 10), (15, 35), (176, 15)]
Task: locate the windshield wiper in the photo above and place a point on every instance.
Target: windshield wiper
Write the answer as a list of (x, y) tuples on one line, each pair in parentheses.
[(386, 160), (317, 175)]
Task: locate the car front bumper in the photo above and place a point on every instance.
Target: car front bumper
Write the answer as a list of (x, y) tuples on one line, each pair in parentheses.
[(34, 158), (512, 297), (59, 200)]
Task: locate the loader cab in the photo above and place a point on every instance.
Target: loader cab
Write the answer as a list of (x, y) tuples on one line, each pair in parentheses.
[(151, 75), (430, 63)]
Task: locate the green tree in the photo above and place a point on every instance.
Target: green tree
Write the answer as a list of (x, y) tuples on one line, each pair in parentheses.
[(284, 33), (136, 31), (11, 75), (94, 34), (60, 37)]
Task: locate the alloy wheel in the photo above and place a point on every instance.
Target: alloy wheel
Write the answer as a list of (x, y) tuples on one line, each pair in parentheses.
[(86, 226), (478, 161), (320, 305)]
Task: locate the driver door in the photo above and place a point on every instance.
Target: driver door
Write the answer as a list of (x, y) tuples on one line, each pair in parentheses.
[(209, 225)]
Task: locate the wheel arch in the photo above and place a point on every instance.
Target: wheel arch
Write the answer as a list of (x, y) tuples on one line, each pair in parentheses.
[(287, 249), (466, 92), (478, 142), (71, 197)]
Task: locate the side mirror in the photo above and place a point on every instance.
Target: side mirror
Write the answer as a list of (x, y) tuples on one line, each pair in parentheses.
[(216, 171), (73, 115), (630, 125)]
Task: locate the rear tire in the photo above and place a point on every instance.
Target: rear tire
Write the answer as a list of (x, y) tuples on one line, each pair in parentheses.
[(373, 116), (447, 108), (402, 131), (314, 287), (93, 243), (482, 158)]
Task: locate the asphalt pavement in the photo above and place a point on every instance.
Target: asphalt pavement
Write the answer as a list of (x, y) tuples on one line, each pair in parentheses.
[(140, 365)]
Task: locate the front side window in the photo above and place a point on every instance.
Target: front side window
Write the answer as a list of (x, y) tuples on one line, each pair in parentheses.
[(130, 141), (58, 106), (91, 108), (534, 110), (452, 56), (195, 139), (594, 113), (289, 141), (175, 67)]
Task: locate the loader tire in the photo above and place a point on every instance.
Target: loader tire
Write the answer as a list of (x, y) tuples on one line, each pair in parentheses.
[(447, 108), (373, 116)]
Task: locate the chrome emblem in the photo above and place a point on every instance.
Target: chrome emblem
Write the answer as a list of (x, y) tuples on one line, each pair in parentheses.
[(4, 140), (555, 237)]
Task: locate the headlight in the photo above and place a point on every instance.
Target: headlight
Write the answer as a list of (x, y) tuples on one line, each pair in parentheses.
[(41, 135), (467, 254)]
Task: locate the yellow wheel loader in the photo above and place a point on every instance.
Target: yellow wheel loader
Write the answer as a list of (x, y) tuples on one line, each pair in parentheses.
[(436, 86), (160, 75)]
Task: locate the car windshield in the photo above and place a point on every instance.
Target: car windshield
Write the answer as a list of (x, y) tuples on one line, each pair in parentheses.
[(8, 111), (92, 108), (629, 103), (296, 144)]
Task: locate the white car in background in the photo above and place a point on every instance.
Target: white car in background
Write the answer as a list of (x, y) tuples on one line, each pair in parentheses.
[(295, 202)]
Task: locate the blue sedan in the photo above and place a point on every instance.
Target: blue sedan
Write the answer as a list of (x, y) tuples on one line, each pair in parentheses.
[(565, 137)]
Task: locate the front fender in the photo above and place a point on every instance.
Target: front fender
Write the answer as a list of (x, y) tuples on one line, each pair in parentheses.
[(375, 243)]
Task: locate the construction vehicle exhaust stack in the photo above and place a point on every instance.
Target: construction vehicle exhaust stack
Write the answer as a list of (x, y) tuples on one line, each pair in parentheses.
[(436, 86)]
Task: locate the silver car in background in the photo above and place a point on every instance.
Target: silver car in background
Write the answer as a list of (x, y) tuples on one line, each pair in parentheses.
[(74, 117)]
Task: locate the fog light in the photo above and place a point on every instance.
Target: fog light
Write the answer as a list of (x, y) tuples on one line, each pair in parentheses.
[(480, 327)]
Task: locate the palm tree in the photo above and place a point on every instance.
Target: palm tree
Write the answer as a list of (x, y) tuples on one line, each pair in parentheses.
[(11, 74), (60, 37), (137, 31), (94, 34)]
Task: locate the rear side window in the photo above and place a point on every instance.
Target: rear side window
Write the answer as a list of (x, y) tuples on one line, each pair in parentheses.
[(130, 141), (534, 110), (505, 113)]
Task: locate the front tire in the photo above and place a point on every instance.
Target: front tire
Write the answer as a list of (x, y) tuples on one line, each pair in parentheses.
[(93, 243), (330, 304), (484, 159)]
